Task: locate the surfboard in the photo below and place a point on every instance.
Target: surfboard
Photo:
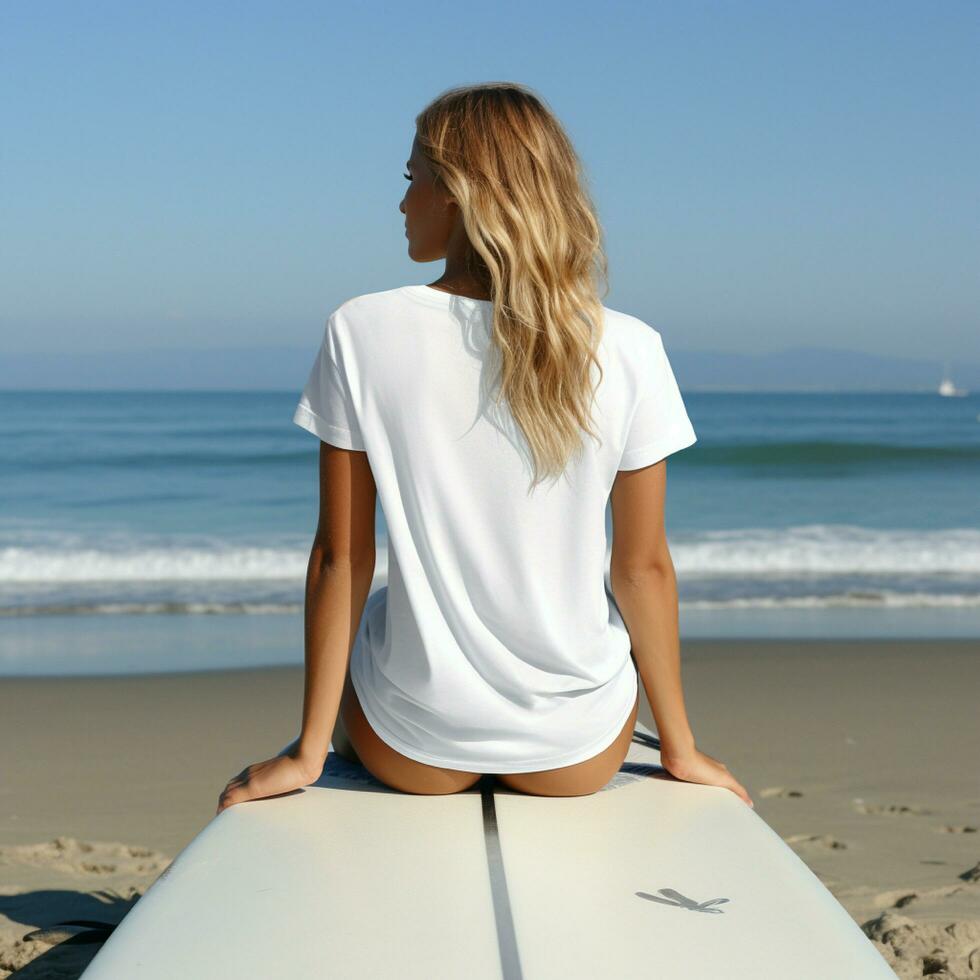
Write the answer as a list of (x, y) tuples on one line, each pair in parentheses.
[(649, 877)]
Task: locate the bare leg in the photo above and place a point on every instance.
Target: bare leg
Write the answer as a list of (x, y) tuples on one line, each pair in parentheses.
[(582, 778), (341, 741), (355, 740), (390, 766)]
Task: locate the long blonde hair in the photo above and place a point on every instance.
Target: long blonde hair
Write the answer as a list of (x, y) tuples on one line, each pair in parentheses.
[(536, 245)]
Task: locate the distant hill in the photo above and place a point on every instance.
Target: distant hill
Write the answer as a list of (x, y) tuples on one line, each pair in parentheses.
[(286, 369), (814, 369)]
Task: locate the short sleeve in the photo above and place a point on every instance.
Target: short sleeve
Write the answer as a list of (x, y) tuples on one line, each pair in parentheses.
[(325, 407), (659, 425)]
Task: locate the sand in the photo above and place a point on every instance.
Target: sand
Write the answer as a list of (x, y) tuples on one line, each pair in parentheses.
[(862, 757)]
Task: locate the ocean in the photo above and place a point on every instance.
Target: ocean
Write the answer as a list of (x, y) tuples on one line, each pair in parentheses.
[(154, 531)]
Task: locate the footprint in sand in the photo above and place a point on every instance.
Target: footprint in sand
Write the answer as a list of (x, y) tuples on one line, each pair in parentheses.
[(902, 898), (88, 857), (895, 899), (889, 809), (779, 791), (926, 896), (971, 874), (821, 840)]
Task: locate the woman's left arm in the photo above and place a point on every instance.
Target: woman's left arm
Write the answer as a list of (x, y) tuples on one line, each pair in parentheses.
[(338, 580)]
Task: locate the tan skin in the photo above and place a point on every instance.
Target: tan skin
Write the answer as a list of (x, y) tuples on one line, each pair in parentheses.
[(341, 568)]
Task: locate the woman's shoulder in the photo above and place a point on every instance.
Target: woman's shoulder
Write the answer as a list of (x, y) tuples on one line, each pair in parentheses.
[(366, 314), (368, 303), (629, 334)]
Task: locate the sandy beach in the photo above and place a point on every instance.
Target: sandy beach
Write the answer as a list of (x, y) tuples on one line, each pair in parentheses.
[(862, 757)]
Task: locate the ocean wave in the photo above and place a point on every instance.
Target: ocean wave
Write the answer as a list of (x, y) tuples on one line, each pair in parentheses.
[(826, 549), (141, 461), (816, 454), (810, 455), (151, 609), (853, 599), (849, 600), (799, 551), (150, 564)]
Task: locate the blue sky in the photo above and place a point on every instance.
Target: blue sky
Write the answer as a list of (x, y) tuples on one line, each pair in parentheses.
[(767, 174)]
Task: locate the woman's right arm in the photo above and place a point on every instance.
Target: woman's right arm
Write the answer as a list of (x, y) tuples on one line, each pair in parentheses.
[(644, 585), (338, 580)]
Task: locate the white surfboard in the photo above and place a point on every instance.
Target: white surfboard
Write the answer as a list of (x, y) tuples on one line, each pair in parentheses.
[(650, 877)]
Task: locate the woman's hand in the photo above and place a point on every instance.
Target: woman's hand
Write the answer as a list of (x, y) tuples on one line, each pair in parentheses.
[(693, 766), (282, 774)]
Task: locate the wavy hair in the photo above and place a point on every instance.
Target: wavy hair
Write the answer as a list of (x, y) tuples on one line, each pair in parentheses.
[(536, 245)]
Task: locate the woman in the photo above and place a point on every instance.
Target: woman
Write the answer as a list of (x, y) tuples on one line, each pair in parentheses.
[(496, 411)]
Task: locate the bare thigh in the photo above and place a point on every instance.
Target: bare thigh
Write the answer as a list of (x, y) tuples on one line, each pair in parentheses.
[(354, 737), (581, 778)]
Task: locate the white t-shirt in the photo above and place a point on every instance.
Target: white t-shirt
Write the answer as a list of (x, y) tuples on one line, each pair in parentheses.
[(496, 645)]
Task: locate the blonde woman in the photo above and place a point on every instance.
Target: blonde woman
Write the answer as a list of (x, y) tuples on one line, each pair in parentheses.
[(495, 412)]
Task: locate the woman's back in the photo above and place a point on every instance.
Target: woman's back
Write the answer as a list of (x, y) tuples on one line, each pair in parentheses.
[(495, 646)]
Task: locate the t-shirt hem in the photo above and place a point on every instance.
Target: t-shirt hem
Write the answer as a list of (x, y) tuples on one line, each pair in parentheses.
[(326, 431), (468, 765)]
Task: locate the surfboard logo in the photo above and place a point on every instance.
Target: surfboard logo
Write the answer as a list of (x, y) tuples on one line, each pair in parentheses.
[(675, 898)]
